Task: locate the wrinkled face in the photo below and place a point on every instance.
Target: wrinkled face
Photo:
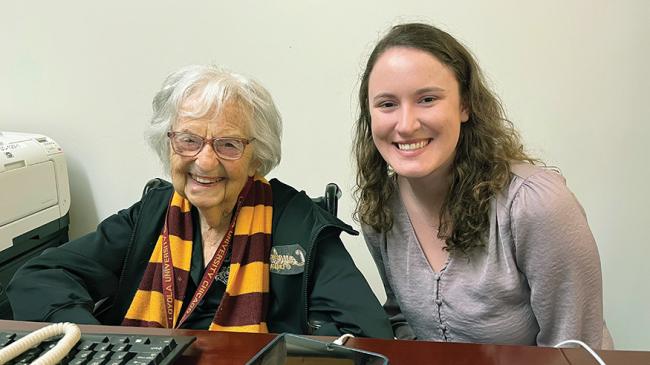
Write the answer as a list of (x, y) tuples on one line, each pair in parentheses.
[(210, 183), (415, 111)]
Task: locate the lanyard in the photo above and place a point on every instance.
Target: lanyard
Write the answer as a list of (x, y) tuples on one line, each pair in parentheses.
[(168, 279)]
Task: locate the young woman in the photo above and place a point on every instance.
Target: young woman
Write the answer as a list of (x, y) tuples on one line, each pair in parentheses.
[(474, 241)]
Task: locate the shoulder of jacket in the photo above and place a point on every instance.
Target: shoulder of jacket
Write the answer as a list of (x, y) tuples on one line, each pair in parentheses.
[(157, 189), (295, 211), (153, 202)]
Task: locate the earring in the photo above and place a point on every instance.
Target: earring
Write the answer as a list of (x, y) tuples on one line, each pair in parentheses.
[(390, 170)]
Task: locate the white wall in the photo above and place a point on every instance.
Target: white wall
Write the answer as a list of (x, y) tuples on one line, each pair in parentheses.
[(573, 74)]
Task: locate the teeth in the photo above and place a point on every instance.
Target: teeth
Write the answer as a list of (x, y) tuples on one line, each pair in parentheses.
[(204, 180), (412, 146)]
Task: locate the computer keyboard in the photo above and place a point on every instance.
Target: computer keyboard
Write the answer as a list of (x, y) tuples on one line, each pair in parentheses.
[(108, 349)]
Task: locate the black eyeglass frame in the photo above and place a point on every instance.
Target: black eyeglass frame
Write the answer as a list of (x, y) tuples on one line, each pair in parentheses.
[(244, 141)]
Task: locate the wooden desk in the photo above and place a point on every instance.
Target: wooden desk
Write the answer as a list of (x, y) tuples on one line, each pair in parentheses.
[(236, 348)]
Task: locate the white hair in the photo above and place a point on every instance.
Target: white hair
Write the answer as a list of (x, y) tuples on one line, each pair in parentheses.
[(211, 87)]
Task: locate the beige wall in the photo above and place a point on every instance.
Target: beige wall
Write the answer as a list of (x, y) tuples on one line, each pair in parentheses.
[(573, 75)]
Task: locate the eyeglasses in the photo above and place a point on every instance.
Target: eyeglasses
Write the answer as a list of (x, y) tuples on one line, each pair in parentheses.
[(189, 145)]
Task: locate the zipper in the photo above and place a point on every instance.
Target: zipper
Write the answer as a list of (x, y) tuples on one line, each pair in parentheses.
[(308, 270), (305, 284)]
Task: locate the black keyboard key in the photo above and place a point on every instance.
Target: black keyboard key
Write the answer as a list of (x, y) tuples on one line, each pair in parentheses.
[(96, 338), (102, 355), (122, 356), (140, 340), (75, 362), (103, 346), (26, 357), (121, 347), (139, 362), (169, 342), (9, 336), (115, 362), (6, 338), (85, 345), (46, 345), (149, 357), (159, 349), (97, 362), (120, 339), (84, 354)]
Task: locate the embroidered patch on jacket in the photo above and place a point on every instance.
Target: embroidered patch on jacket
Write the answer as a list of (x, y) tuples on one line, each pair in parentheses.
[(287, 260), (223, 274)]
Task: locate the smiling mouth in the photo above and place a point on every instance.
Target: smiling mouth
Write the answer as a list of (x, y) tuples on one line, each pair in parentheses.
[(204, 180), (412, 146)]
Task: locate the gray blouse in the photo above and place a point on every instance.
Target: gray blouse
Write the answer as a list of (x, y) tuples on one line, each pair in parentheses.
[(536, 282)]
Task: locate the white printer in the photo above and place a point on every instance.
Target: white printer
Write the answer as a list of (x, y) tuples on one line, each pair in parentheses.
[(34, 201), (34, 186)]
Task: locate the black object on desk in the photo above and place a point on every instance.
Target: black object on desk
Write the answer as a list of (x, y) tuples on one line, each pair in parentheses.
[(289, 349)]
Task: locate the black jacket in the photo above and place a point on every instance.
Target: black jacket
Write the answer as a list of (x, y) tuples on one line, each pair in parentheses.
[(325, 296)]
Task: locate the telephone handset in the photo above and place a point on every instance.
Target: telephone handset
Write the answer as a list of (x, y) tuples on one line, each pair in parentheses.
[(71, 335)]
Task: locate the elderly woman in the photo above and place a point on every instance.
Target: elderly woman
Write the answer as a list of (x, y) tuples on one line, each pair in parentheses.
[(219, 248)]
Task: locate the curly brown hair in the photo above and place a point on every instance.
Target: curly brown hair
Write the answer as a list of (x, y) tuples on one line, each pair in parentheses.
[(487, 145)]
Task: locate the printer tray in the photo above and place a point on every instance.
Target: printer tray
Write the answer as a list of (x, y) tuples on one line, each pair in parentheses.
[(25, 247)]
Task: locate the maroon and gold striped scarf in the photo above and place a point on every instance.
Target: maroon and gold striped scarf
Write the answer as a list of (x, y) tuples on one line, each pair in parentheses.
[(244, 305)]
